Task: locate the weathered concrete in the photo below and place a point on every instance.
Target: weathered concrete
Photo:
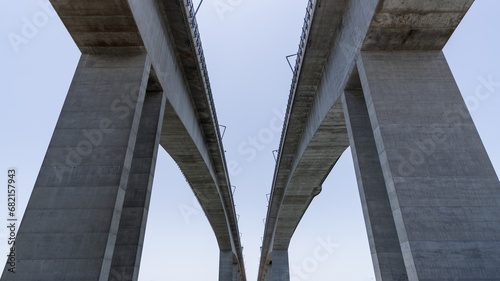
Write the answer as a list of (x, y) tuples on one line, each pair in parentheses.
[(97, 26), (444, 192), (382, 235), (168, 32), (71, 223)]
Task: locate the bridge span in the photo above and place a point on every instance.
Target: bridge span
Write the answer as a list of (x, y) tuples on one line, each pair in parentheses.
[(371, 74), (141, 82)]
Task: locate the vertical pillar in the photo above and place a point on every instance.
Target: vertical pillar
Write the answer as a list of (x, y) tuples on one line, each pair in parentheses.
[(71, 222), (443, 190), (130, 238), (382, 235), (226, 266), (280, 267)]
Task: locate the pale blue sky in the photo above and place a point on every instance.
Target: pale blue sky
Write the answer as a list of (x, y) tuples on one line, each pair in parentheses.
[(245, 49)]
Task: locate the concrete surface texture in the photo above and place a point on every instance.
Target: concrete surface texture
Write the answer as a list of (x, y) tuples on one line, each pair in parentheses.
[(70, 227), (416, 242), (128, 248)]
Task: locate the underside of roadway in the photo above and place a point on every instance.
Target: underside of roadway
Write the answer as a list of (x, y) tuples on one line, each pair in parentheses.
[(315, 135), (165, 30)]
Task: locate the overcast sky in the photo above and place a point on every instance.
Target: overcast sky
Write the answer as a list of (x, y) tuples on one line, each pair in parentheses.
[(245, 45)]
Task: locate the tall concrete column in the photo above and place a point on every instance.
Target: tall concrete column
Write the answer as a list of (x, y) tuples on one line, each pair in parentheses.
[(280, 267), (382, 235), (226, 266), (71, 222), (130, 238), (443, 190)]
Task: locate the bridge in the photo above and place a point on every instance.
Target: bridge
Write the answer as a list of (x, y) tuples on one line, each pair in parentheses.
[(141, 82), (371, 74)]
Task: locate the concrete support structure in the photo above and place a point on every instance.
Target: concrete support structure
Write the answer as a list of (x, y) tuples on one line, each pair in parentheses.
[(226, 266), (269, 273), (236, 273), (430, 195), (382, 236), (78, 197), (442, 188)]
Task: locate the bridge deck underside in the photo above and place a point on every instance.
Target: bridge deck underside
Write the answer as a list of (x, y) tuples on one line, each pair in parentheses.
[(414, 24)]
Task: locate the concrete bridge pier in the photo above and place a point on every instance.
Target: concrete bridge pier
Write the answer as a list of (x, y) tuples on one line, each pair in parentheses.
[(236, 273), (269, 273), (382, 235), (86, 216), (226, 270), (443, 191)]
